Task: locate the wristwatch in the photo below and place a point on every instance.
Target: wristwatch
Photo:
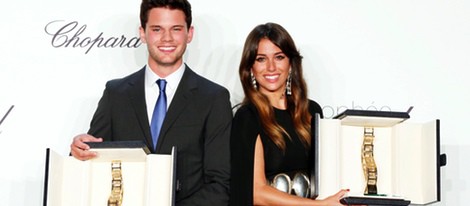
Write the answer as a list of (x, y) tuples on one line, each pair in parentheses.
[(115, 198), (368, 162)]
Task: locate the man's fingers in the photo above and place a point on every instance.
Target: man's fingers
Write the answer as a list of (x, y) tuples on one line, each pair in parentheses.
[(80, 150), (82, 154)]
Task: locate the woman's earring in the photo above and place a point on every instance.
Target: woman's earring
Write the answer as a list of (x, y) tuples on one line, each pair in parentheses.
[(289, 83), (253, 80)]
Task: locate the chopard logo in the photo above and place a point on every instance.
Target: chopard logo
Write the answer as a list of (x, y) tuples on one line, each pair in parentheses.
[(331, 111), (72, 34)]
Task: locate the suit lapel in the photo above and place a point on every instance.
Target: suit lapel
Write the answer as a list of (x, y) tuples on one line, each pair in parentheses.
[(183, 96), (136, 92)]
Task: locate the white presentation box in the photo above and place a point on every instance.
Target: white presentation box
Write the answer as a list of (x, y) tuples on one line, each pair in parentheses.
[(407, 157), (147, 179)]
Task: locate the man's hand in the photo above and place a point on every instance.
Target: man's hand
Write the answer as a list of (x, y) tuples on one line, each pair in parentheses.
[(80, 150)]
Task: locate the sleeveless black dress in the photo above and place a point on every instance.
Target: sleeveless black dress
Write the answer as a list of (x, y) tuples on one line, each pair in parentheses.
[(245, 129)]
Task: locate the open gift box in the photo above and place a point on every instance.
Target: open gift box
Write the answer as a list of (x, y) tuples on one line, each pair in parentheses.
[(406, 157), (145, 179)]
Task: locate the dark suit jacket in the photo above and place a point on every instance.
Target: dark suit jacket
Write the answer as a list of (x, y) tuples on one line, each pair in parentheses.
[(197, 122)]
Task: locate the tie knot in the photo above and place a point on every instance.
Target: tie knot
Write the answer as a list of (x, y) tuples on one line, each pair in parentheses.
[(161, 84)]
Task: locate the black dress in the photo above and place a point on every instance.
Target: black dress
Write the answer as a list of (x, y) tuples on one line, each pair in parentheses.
[(245, 128)]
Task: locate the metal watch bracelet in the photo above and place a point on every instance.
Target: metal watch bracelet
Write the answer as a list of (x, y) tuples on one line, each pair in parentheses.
[(115, 198), (368, 162)]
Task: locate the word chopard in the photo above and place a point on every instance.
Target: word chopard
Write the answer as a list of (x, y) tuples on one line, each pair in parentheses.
[(72, 35)]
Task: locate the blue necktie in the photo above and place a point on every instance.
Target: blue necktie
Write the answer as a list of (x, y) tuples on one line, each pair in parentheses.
[(159, 113)]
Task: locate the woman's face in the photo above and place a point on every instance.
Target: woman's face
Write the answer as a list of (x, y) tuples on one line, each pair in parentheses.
[(271, 68)]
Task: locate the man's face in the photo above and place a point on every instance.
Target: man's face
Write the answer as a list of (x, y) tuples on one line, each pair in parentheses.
[(166, 35)]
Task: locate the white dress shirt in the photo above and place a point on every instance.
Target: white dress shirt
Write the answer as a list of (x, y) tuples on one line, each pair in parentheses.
[(152, 90)]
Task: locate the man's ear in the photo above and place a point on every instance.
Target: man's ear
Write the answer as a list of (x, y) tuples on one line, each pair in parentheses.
[(190, 34), (142, 35)]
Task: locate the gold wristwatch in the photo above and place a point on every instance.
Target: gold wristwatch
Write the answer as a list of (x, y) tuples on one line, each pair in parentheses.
[(115, 198), (368, 162)]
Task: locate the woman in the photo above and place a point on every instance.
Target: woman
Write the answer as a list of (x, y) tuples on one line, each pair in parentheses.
[(271, 130)]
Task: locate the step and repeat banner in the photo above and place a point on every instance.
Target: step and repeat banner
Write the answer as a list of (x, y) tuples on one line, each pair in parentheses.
[(390, 55)]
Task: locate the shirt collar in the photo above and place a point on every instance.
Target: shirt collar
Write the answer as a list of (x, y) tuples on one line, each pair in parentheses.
[(172, 80)]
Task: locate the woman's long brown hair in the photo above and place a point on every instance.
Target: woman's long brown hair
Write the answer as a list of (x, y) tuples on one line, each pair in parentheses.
[(297, 103)]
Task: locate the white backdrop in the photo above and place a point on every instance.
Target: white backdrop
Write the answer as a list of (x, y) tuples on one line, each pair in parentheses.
[(363, 54)]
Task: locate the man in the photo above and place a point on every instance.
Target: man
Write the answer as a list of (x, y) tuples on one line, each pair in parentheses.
[(198, 116)]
